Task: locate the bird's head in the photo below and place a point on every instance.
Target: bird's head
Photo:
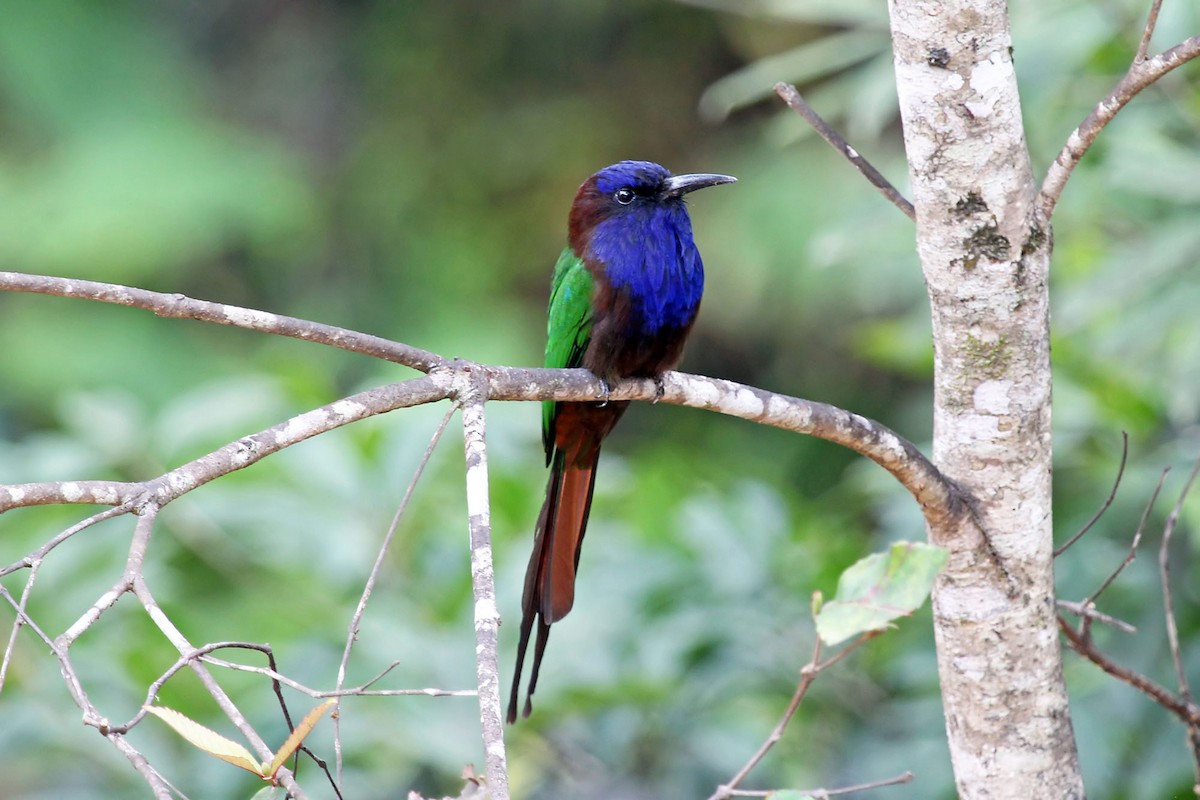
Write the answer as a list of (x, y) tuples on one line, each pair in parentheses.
[(636, 191)]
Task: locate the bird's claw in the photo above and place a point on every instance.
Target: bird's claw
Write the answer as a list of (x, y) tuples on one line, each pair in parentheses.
[(604, 390), (659, 389)]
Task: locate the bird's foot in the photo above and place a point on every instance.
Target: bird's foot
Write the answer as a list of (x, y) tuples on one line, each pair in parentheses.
[(659, 389), (604, 390)]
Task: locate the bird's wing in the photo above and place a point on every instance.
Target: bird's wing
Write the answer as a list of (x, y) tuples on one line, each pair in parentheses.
[(568, 327)]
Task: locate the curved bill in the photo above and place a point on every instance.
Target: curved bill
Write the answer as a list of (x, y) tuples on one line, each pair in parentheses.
[(679, 185)]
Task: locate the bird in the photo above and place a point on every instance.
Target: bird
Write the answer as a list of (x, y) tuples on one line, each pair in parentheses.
[(625, 293)]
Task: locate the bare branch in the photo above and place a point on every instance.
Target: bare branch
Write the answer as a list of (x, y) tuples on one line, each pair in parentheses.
[(1188, 712), (233, 456), (797, 103), (904, 777), (936, 494), (90, 715), (471, 386), (1148, 32), (1185, 691), (180, 307), (158, 784), (1081, 610), (483, 582), (1142, 73), (18, 620), (101, 493), (1129, 557), (938, 497), (369, 586), (808, 674), (1107, 502), (142, 591), (354, 691)]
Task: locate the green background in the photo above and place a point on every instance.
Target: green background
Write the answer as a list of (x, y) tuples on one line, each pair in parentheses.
[(405, 169)]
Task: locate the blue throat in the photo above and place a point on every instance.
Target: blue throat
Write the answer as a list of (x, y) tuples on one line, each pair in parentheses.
[(650, 254)]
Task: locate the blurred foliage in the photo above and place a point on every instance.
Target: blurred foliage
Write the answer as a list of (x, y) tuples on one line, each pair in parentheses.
[(405, 169)]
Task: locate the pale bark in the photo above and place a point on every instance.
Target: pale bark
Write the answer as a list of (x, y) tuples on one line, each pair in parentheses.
[(985, 264)]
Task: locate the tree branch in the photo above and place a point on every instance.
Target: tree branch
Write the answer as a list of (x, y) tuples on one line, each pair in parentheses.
[(933, 491), (1142, 73), (1189, 713), (483, 582), (896, 780), (791, 95), (471, 386), (938, 497), (179, 306), (1185, 690), (369, 586), (808, 674), (1086, 626), (233, 456), (1148, 32), (1112, 495), (1090, 612)]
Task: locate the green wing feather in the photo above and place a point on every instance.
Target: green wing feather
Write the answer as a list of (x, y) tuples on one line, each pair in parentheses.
[(568, 327)]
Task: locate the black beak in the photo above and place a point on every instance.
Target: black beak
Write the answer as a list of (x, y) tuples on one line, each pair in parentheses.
[(679, 185)]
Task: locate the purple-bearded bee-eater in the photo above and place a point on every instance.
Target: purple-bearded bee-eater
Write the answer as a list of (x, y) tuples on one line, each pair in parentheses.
[(625, 294)]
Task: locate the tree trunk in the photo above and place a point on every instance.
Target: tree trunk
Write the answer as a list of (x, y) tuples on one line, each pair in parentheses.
[(985, 264)]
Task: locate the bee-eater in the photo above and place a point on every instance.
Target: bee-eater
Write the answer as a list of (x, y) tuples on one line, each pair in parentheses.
[(625, 294)]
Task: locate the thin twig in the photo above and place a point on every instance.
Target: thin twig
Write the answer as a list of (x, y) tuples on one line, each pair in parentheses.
[(473, 397), (808, 674), (234, 456), (354, 691), (74, 685), (158, 785), (1188, 712), (1086, 626), (181, 662), (141, 591), (1142, 73), (369, 586), (904, 777), (41, 552), (1185, 691), (1112, 495), (1148, 32), (1081, 610), (178, 306), (797, 103), (18, 620)]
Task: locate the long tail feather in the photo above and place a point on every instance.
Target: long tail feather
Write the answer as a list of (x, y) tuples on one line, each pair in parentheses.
[(550, 577)]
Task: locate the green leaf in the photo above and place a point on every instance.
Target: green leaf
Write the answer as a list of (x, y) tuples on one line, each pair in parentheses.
[(270, 793), (878, 589), (207, 739)]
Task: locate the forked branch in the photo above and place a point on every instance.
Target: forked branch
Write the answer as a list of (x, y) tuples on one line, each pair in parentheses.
[(1180, 704), (1143, 72), (470, 386)]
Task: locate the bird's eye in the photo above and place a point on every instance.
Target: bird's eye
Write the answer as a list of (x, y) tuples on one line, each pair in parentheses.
[(624, 196)]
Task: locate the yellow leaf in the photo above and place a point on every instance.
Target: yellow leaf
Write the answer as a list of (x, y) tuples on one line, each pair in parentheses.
[(208, 740), (293, 741)]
